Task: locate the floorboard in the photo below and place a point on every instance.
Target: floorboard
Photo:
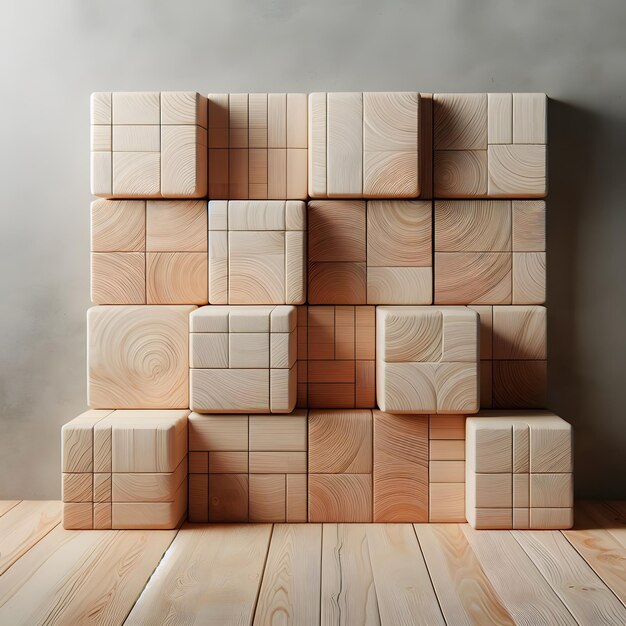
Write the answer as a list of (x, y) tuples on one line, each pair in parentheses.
[(7, 505)]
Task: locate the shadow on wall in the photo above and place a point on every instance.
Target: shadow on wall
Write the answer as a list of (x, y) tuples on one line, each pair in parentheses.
[(575, 142)]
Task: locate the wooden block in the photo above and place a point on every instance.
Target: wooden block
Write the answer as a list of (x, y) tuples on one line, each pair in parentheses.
[(486, 375), (295, 267), (140, 107), (400, 475), (118, 226), (457, 388), (257, 121), (218, 267), (296, 120), (519, 384), (521, 448), (446, 503), (155, 373), (489, 445), (447, 449), (399, 285), (344, 335), (136, 174), (77, 449), (296, 173), (500, 118), (285, 433), (340, 442), (208, 350), (148, 487), (237, 173), (283, 390), (399, 233), (102, 516), (251, 215), (100, 139), (460, 173), (551, 518), (257, 173), (485, 314), (218, 122), (551, 446), (490, 519), (238, 120), (77, 488), (337, 283), (210, 319), (365, 338), (490, 274), (225, 462), (425, 138), (295, 215), (256, 267), (218, 177), (529, 277), (118, 278), (176, 278), (100, 107), (277, 120), (331, 395), (228, 497), (151, 515), (101, 174), (331, 371), (277, 173), (344, 144), (490, 491), (278, 463), (148, 441), (365, 390), (519, 332), (472, 226), (103, 446), (199, 463), (340, 498), (176, 226), (409, 334), (321, 332), (447, 427), (317, 145), (446, 471), (529, 225), (136, 138), (390, 175), (529, 118), (249, 319), (517, 170), (406, 387), (296, 498), (267, 498), (229, 391), (337, 230), (77, 515), (283, 319), (198, 498), (183, 107), (460, 121), (283, 349), (249, 350), (521, 518), (521, 492), (102, 487)]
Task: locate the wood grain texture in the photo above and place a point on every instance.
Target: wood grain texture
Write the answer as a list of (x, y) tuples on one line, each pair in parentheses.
[(218, 432), (390, 121), (348, 595), (447, 427), (519, 332), (212, 576), (100, 107), (340, 441), (118, 226), (402, 582), (337, 230), (228, 497), (529, 225), (529, 118), (136, 138), (446, 502), (409, 334), (137, 174), (295, 267), (138, 357), (176, 226), (463, 599), (340, 498), (7, 505), (229, 390), (118, 278), (297, 492), (77, 488), (77, 442), (457, 388), (400, 476), (519, 384), (472, 226), (500, 118), (460, 173), (552, 490), (286, 433), (425, 138), (176, 278), (296, 120), (296, 173), (399, 285), (460, 121), (337, 283), (218, 267), (136, 107), (390, 175), (406, 387), (517, 170), (183, 107), (267, 497), (490, 272), (101, 174), (529, 277), (317, 145)]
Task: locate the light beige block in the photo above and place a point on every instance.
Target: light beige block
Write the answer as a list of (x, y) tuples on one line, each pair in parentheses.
[(118, 225), (490, 491), (446, 471), (551, 518), (136, 174), (446, 449), (77, 515), (148, 487), (100, 107), (225, 462), (183, 161), (277, 120), (138, 107), (176, 278), (102, 516), (406, 387), (530, 118), (101, 174), (283, 348), (283, 390), (208, 350), (529, 225), (183, 107), (489, 445), (296, 173), (529, 277), (267, 498), (399, 285), (517, 170), (409, 334), (248, 350), (296, 496), (446, 503), (102, 487), (500, 118), (457, 388), (490, 519), (176, 226), (277, 173), (118, 278), (551, 490), (296, 120), (519, 332), (285, 433), (238, 120), (77, 445), (295, 267), (461, 173), (278, 462), (521, 491), (218, 432), (460, 121), (100, 139), (521, 518), (136, 138), (317, 145), (77, 488), (229, 391), (218, 267)]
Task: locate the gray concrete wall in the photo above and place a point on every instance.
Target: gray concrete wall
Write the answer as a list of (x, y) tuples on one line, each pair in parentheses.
[(53, 54)]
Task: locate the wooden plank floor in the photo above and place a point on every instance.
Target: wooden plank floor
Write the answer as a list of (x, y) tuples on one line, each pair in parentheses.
[(311, 573)]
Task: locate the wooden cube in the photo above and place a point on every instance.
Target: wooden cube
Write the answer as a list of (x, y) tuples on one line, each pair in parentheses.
[(427, 360), (138, 357), (519, 470), (149, 145), (243, 359), (257, 252), (490, 145), (367, 145)]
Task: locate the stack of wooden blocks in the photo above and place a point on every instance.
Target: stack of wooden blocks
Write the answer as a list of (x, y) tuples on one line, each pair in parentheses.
[(301, 299)]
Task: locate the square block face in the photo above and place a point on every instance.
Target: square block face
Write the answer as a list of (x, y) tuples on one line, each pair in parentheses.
[(118, 226), (138, 357), (149, 145), (490, 145), (118, 278), (232, 370), (340, 498), (447, 503), (268, 498), (176, 226), (379, 252), (176, 278), (228, 497), (365, 145), (257, 252), (257, 146), (519, 333), (427, 360), (336, 350)]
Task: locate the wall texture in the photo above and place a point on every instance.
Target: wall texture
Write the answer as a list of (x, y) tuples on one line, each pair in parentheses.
[(53, 54)]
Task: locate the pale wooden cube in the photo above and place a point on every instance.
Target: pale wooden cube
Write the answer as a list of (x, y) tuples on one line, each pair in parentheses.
[(427, 360)]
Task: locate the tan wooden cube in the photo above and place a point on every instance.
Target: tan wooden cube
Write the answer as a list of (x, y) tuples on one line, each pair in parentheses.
[(257, 252), (427, 360), (148, 144), (519, 470), (243, 359), (369, 145), (257, 146), (490, 145)]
